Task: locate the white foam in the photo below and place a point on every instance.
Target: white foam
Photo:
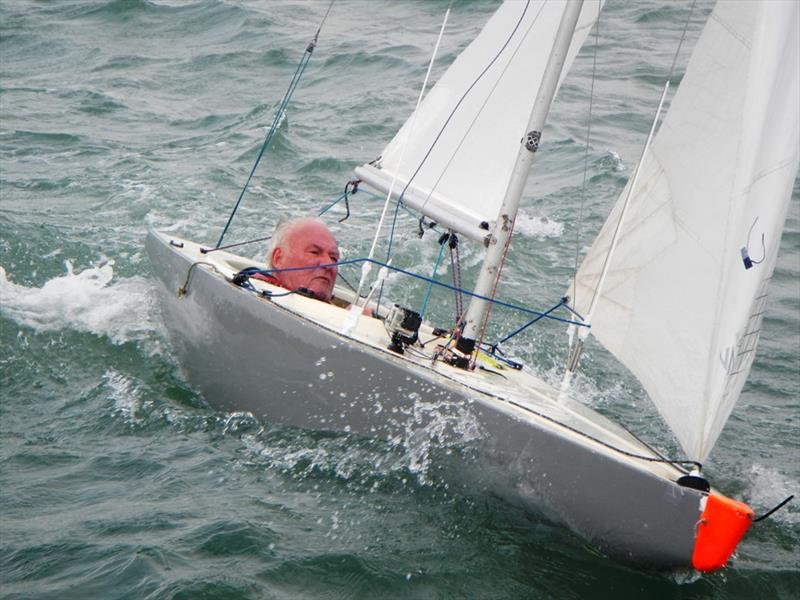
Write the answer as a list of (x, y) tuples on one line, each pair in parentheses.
[(124, 394), (539, 227), (85, 301), (768, 487), (619, 164)]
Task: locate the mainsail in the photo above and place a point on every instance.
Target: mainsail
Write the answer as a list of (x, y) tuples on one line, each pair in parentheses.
[(685, 292), (453, 158)]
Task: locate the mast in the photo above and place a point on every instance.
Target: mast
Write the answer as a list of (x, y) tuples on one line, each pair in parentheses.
[(501, 234)]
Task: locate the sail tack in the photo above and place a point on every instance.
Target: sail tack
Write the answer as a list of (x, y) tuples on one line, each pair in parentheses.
[(452, 161), (685, 294)]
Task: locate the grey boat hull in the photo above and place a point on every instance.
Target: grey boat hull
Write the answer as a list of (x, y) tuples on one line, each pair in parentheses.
[(247, 353)]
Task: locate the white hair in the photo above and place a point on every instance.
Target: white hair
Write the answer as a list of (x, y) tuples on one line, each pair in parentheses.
[(282, 231)]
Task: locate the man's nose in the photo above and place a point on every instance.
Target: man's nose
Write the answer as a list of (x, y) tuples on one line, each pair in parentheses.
[(325, 262)]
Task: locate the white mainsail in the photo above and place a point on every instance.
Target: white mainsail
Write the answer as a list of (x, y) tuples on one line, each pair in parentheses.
[(680, 307), (460, 179)]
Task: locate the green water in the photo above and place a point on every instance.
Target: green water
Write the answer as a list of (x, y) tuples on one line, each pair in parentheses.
[(118, 481)]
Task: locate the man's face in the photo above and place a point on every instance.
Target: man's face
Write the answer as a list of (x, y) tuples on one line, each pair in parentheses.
[(307, 245)]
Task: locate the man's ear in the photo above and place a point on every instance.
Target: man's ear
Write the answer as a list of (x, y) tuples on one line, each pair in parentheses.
[(277, 257)]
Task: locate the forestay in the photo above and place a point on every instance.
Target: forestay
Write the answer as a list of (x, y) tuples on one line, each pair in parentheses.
[(681, 307), (459, 156)]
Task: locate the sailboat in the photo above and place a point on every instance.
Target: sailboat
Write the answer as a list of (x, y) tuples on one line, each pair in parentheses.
[(674, 287)]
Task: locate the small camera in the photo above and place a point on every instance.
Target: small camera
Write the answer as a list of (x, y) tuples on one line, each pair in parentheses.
[(402, 324)]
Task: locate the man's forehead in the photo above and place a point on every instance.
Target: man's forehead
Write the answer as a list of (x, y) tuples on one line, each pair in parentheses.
[(312, 233)]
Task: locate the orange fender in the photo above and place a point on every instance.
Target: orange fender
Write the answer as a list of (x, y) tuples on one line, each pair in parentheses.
[(722, 525)]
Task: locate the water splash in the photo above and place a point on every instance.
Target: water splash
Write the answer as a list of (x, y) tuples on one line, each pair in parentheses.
[(436, 425), (768, 486), (538, 227), (125, 395), (85, 301), (616, 161), (426, 431)]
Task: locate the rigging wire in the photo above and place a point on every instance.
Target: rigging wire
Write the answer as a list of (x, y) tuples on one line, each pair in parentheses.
[(494, 346), (575, 352), (680, 42), (441, 131), (341, 197), (652, 133), (389, 248), (586, 156), (660, 459), (371, 254), (424, 307), (210, 250), (485, 325), (279, 114), (778, 507), (350, 189), (464, 95)]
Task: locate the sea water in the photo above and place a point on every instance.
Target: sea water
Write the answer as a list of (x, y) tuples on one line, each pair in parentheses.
[(116, 478)]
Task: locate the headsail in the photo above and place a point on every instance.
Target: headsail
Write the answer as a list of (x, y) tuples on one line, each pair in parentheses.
[(460, 179), (685, 293)]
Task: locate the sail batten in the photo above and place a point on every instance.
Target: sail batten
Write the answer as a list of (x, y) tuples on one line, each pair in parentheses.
[(686, 291), (461, 143)]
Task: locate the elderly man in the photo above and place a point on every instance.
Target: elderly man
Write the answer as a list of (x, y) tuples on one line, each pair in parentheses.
[(304, 242)]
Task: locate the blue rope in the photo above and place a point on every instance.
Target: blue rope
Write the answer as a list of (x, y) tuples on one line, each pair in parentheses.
[(430, 283), (354, 261), (529, 323), (301, 67), (332, 204)]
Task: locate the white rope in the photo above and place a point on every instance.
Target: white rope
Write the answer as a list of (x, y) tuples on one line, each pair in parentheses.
[(367, 266)]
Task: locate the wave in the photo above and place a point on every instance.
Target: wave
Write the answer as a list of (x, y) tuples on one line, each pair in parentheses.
[(768, 486), (538, 227), (86, 301)]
